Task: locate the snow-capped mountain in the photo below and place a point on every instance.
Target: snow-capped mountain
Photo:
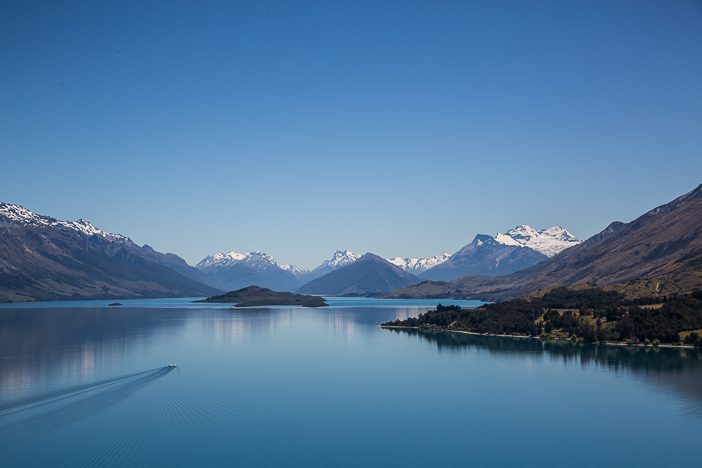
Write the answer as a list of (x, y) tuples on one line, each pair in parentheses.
[(339, 259), (549, 241), (235, 270), (419, 265), (485, 256), (20, 215), (503, 254), (257, 260)]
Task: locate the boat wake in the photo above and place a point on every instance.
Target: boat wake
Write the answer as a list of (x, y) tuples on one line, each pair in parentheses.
[(25, 417)]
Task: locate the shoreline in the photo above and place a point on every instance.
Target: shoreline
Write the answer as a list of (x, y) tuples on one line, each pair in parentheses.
[(523, 337)]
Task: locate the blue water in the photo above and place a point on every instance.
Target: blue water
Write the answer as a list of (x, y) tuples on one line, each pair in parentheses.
[(86, 386), (193, 302)]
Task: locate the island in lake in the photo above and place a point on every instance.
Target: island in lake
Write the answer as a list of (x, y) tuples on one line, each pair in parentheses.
[(251, 296)]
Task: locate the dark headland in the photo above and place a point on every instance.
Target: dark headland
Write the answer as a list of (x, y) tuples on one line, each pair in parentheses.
[(251, 296), (587, 315)]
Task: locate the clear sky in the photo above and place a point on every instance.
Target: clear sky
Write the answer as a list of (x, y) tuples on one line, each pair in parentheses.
[(298, 128)]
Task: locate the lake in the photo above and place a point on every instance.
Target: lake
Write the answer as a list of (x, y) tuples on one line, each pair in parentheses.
[(82, 384)]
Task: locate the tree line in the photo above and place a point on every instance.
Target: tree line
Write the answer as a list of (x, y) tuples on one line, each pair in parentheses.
[(587, 315)]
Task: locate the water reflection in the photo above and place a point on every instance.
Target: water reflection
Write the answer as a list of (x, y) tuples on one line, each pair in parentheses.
[(300, 387), (41, 346), (677, 368), (231, 326)]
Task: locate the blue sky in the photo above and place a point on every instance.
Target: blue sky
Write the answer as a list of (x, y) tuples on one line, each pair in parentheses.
[(297, 128)]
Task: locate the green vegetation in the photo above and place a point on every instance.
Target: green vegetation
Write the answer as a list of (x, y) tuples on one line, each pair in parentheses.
[(256, 296), (584, 315)]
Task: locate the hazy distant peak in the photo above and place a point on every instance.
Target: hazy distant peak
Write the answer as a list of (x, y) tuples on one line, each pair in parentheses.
[(418, 265), (255, 259), (292, 269)]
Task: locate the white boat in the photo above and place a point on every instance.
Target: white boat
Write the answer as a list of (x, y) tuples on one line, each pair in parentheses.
[(171, 365)]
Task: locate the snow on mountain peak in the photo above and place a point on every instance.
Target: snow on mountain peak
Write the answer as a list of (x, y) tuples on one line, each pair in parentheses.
[(549, 241), (256, 259), (341, 258), (292, 269), (418, 265), (20, 215)]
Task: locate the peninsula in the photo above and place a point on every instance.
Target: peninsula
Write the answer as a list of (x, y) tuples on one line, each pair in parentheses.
[(589, 315)]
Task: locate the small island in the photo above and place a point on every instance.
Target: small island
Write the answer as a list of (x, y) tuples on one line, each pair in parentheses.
[(114, 304), (252, 296)]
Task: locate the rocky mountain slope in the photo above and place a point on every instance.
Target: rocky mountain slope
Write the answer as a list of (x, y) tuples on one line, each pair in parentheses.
[(42, 258)]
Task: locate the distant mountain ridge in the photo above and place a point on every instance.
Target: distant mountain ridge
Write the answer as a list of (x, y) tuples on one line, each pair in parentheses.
[(234, 270), (42, 258), (516, 249), (368, 274), (418, 266), (231, 270), (254, 259)]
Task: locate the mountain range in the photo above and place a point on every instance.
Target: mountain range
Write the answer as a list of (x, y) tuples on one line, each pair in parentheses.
[(516, 249), (658, 253), (43, 258), (234, 270)]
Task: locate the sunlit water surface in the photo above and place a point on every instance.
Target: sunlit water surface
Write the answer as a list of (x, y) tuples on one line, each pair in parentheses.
[(82, 384)]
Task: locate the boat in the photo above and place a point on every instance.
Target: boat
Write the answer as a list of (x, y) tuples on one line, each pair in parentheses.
[(172, 365)]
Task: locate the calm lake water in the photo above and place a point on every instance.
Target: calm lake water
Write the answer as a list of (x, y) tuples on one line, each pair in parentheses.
[(82, 384)]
